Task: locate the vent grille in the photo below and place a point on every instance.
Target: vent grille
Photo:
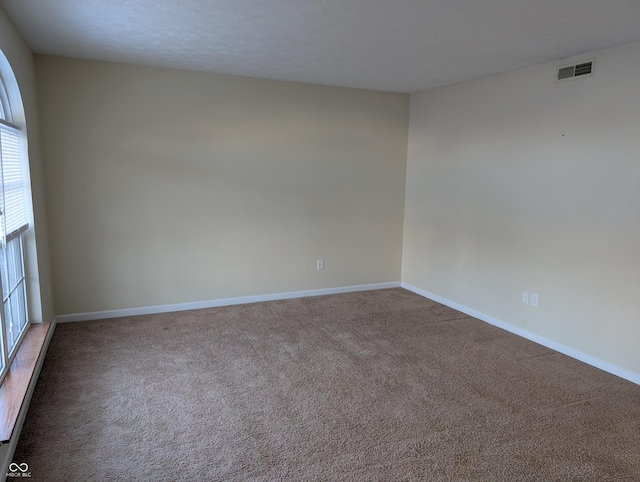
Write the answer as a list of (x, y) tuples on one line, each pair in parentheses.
[(577, 70), (583, 69), (566, 72)]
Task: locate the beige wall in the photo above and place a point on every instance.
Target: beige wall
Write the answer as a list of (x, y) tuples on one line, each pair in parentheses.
[(519, 183), (36, 239), (168, 186)]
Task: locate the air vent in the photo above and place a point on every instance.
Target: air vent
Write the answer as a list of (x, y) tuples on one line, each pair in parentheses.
[(578, 70), (584, 69), (566, 72)]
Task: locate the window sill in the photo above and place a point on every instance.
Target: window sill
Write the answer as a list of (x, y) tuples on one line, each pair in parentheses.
[(15, 387)]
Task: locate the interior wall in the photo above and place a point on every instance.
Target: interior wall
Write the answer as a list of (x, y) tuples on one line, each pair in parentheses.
[(167, 186), (516, 183), (36, 242)]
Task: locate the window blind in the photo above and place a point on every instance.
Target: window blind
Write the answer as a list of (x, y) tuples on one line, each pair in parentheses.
[(13, 219)]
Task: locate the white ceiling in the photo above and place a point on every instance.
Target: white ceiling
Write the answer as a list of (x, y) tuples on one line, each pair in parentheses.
[(390, 45)]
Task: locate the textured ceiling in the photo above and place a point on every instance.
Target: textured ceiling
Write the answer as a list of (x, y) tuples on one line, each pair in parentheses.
[(390, 45)]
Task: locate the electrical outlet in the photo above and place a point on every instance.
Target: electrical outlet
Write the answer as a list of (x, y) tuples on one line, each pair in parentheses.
[(534, 299), (525, 297), (320, 264)]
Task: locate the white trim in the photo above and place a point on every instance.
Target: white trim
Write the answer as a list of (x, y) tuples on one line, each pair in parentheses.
[(566, 350), (7, 450), (240, 300)]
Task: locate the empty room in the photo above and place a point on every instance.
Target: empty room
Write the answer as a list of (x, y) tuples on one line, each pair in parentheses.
[(320, 240)]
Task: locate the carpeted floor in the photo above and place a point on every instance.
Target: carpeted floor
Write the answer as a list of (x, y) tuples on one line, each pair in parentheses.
[(378, 385)]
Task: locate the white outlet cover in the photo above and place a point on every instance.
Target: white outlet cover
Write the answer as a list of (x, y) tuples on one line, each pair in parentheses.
[(534, 299), (320, 264), (525, 297)]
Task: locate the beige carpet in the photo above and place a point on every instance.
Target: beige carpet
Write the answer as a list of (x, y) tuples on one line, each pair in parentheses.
[(381, 385)]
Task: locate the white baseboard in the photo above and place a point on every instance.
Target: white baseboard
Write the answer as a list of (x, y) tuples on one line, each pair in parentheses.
[(566, 350), (240, 300)]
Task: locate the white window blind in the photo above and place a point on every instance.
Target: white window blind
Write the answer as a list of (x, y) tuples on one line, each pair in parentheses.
[(12, 186)]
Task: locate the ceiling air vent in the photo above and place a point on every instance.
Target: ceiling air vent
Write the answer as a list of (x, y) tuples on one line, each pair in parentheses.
[(577, 70)]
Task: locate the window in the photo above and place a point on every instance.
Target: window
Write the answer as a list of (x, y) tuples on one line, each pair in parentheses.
[(13, 224)]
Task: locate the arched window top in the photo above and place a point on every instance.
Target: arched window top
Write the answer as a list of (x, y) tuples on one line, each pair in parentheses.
[(11, 105)]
